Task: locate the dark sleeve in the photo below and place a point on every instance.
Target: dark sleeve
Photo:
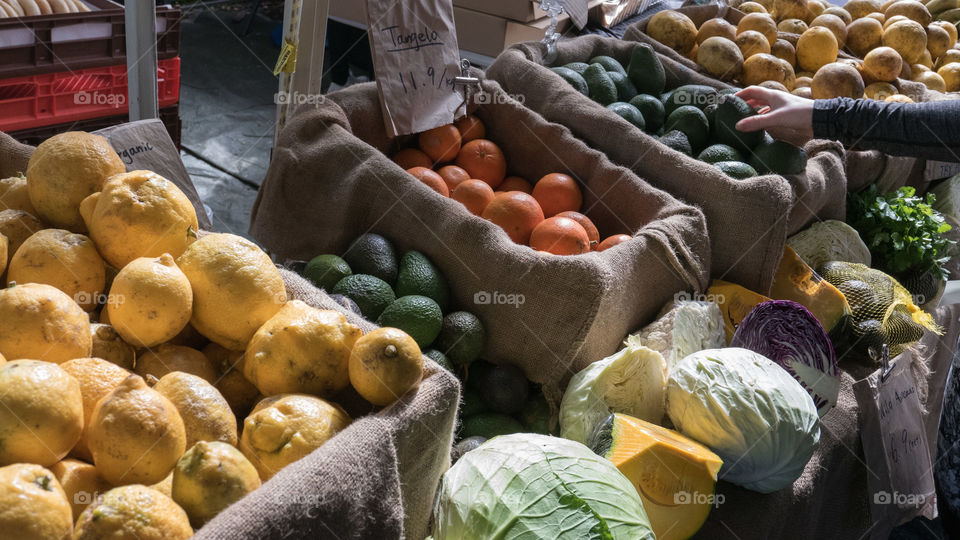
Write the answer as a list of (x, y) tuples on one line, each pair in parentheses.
[(926, 130)]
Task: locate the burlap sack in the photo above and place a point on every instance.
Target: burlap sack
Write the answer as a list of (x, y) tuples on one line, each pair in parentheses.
[(330, 181), (376, 479), (748, 220), (831, 499)]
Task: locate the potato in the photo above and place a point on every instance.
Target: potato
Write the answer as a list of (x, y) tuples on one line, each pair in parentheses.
[(792, 26), (752, 42), (759, 22), (716, 27), (883, 64), (910, 9), (909, 38), (784, 50), (766, 67), (834, 24), (864, 35)]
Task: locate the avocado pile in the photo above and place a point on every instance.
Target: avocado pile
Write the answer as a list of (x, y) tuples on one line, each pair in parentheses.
[(408, 292), (696, 120), (498, 400)]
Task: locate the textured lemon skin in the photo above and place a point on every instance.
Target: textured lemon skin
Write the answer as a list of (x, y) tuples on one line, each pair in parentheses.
[(136, 435), (135, 512), (284, 428), (206, 414), (61, 259), (33, 505), (139, 214), (64, 170), (301, 349), (210, 477), (41, 322), (236, 288), (97, 378), (42, 414), (150, 301)]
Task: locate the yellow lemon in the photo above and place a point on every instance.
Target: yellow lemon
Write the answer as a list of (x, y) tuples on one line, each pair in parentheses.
[(40, 322), (384, 364), (169, 358), (62, 259), (164, 486), (150, 301), (108, 344), (64, 170), (17, 226), (34, 505), (135, 512), (206, 414), (135, 434), (15, 196), (236, 288), (301, 349), (81, 482), (210, 477), (139, 214), (42, 414), (97, 378), (284, 428)]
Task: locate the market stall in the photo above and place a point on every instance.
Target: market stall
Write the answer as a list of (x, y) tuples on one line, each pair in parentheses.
[(563, 296)]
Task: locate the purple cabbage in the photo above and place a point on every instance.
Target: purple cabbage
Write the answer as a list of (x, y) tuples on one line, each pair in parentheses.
[(787, 333)]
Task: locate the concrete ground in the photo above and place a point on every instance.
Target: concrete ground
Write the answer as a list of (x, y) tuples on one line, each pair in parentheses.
[(227, 109)]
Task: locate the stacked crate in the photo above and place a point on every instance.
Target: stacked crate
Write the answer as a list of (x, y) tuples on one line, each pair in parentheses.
[(67, 71)]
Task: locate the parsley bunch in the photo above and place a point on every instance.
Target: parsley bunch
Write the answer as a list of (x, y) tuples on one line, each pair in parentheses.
[(903, 231)]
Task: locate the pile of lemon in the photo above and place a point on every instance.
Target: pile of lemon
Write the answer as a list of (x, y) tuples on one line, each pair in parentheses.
[(128, 426)]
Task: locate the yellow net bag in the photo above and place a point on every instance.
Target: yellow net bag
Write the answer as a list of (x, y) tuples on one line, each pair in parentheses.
[(883, 310)]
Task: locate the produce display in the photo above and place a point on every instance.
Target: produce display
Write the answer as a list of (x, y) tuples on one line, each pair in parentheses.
[(457, 161), (693, 119), (797, 46), (199, 378)]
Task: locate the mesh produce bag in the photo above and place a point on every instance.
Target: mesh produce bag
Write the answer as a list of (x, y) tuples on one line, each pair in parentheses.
[(883, 310)]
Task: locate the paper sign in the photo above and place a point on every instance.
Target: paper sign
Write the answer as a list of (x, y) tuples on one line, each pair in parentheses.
[(146, 145), (415, 58), (895, 446)]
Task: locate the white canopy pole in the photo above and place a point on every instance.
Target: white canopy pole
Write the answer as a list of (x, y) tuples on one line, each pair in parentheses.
[(140, 19), (305, 33)]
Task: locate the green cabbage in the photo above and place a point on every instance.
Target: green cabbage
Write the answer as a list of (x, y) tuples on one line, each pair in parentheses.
[(528, 486), (829, 240), (748, 410), (632, 381)]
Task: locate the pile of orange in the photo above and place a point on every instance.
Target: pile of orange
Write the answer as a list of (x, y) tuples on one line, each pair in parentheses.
[(456, 161)]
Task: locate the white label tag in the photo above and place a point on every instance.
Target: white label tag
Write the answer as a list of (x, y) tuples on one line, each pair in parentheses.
[(416, 59)]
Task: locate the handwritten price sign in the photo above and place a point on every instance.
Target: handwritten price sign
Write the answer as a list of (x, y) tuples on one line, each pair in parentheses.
[(415, 58)]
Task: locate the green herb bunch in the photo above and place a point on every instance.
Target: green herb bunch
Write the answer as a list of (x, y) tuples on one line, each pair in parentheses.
[(903, 231)]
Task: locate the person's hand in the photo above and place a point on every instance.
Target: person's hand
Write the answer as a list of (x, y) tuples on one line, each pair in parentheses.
[(785, 116)]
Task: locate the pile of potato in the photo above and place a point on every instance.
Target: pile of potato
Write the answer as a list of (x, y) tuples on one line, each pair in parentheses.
[(795, 46)]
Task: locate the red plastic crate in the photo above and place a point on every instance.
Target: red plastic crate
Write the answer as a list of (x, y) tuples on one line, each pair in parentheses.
[(56, 98)]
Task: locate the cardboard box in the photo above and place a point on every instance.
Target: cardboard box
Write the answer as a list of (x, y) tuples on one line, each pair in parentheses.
[(477, 32), (515, 10)]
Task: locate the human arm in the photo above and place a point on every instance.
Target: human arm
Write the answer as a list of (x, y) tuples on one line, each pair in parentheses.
[(927, 130)]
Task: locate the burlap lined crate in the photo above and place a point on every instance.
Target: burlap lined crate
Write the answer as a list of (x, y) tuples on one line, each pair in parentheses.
[(748, 220), (330, 180), (375, 479)]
